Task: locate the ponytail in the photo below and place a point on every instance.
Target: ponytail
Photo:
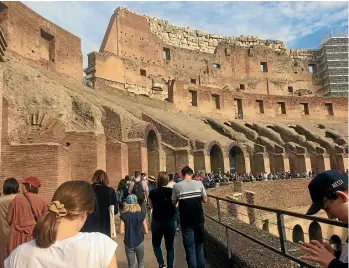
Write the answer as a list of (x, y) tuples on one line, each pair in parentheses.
[(71, 199), (45, 231)]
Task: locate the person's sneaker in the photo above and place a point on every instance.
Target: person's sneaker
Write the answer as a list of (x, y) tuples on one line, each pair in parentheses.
[(162, 266)]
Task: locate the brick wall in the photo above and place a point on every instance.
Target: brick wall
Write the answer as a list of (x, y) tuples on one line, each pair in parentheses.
[(87, 154), (117, 162), (48, 162), (23, 31)]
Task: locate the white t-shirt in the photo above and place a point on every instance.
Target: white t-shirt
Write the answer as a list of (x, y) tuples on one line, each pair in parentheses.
[(80, 251)]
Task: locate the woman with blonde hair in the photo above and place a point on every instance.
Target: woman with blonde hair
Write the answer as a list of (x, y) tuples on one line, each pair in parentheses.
[(57, 239), (163, 223), (102, 219), (133, 225)]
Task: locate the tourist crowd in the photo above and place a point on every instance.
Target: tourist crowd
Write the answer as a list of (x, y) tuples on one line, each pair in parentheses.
[(77, 228)]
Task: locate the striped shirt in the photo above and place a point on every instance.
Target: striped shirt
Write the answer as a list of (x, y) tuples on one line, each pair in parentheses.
[(189, 194)]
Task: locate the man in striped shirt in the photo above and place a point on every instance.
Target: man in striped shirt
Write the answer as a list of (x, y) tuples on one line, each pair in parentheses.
[(191, 194)]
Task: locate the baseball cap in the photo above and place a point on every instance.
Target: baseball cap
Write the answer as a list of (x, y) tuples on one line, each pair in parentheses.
[(323, 186), (31, 180), (131, 199)]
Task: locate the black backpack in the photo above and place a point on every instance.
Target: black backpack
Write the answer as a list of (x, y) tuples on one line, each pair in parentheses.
[(138, 191)]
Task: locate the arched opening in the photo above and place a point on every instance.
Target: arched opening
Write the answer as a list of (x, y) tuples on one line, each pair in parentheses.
[(216, 157), (237, 160), (315, 232), (336, 242), (297, 234), (153, 154), (266, 225)]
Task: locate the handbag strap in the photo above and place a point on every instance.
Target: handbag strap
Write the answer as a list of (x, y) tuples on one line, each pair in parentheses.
[(31, 208)]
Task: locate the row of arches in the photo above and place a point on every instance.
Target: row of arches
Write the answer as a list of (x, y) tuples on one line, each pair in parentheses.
[(236, 156), (236, 159), (315, 233)]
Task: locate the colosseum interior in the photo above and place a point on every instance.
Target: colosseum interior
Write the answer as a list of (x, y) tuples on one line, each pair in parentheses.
[(159, 97)]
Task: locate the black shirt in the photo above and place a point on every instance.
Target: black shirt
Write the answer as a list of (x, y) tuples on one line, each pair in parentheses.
[(163, 209), (99, 220), (133, 228)]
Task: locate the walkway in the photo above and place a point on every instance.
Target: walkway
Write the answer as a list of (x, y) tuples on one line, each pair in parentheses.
[(150, 260)]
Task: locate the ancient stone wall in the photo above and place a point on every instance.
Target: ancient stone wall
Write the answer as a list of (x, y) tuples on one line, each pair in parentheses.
[(257, 106), (148, 52), (39, 41), (281, 194)]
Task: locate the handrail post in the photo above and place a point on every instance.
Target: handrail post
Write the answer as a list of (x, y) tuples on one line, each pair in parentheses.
[(218, 210), (281, 229)]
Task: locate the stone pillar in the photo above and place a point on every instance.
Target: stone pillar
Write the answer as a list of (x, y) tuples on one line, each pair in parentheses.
[(262, 162), (327, 162), (286, 162), (117, 161), (342, 161), (303, 163), (183, 158), (162, 160), (87, 153), (233, 209), (202, 161), (251, 211), (137, 157), (247, 165), (226, 164)]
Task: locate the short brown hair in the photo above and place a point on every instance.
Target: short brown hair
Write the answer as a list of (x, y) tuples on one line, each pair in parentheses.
[(77, 197), (162, 179), (100, 177)]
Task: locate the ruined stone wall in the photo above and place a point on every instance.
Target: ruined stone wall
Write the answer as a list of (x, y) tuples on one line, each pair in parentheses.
[(144, 49), (180, 96), (39, 41), (185, 37)]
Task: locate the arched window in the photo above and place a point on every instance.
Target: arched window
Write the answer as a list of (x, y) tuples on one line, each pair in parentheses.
[(336, 242), (315, 232), (297, 234)]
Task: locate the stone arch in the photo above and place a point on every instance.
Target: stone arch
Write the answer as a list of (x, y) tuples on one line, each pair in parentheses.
[(297, 234), (216, 157), (336, 242), (152, 141), (315, 232), (236, 158)]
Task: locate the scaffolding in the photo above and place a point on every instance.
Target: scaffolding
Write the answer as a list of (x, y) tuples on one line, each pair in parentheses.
[(332, 61)]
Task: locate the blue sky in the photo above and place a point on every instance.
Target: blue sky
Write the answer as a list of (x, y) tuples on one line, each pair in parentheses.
[(298, 24)]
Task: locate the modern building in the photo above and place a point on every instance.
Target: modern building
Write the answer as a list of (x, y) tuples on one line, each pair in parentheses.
[(333, 64)]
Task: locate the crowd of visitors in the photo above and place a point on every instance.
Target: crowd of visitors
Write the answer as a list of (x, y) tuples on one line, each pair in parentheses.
[(77, 228)]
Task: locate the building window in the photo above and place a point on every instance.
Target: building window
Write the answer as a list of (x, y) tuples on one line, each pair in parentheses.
[(260, 106), (305, 108), (264, 67), (290, 89), (329, 108), (216, 66), (242, 86), (47, 46), (166, 53), (238, 109), (312, 69), (193, 95), (143, 72), (193, 81), (281, 108), (216, 100)]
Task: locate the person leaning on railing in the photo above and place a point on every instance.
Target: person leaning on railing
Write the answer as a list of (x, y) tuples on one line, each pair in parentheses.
[(328, 191)]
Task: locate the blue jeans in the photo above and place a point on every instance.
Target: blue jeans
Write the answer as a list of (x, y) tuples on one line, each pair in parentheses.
[(193, 241), (159, 230)]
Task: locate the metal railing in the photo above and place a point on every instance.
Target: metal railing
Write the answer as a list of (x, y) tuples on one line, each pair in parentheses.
[(280, 227)]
